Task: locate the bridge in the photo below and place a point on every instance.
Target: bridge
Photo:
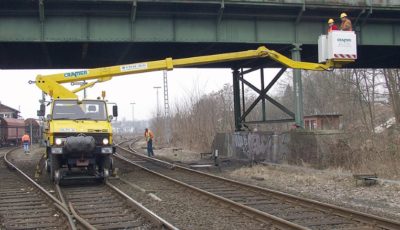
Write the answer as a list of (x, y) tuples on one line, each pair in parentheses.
[(92, 33)]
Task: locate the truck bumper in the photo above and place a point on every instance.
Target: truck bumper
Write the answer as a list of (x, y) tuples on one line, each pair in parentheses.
[(103, 150)]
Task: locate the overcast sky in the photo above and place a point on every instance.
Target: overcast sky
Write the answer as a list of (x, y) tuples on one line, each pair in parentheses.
[(17, 93)]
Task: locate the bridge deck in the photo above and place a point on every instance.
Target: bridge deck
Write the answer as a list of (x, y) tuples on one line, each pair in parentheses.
[(88, 33)]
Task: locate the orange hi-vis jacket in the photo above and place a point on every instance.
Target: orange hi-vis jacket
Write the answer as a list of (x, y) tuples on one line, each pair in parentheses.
[(26, 138), (149, 135)]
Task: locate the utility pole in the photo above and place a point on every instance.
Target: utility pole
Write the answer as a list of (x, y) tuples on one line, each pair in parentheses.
[(80, 83), (84, 90), (158, 103), (133, 116)]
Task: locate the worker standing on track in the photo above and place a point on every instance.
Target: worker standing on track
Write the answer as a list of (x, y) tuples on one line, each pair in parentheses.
[(149, 139), (26, 141), (332, 25), (346, 23)]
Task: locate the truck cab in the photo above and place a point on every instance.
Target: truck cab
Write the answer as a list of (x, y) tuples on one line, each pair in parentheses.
[(78, 136)]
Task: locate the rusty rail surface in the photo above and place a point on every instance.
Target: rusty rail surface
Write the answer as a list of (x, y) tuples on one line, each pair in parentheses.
[(307, 213)]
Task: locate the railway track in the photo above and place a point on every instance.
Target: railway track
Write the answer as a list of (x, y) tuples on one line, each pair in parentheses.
[(189, 208), (24, 205), (306, 213), (106, 207), (92, 206)]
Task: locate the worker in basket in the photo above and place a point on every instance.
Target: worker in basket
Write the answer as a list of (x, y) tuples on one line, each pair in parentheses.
[(332, 25), (149, 139), (346, 23)]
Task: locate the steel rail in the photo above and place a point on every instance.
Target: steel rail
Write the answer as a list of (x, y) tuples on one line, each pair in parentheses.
[(160, 222), (139, 211), (79, 218)]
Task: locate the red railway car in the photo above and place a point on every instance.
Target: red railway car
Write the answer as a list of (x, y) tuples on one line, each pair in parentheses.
[(11, 131)]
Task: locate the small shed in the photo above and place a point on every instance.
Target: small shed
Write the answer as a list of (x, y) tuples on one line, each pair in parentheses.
[(8, 112), (322, 122)]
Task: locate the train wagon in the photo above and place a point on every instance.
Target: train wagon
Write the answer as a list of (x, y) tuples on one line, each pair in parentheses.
[(33, 128), (11, 131)]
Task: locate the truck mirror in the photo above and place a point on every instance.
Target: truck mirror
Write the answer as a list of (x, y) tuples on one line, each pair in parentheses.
[(115, 110), (42, 111)]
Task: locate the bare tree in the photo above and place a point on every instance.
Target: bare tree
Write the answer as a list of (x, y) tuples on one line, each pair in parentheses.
[(392, 80)]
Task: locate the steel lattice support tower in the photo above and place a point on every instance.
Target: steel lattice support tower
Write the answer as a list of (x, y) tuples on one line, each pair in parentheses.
[(166, 100), (166, 108)]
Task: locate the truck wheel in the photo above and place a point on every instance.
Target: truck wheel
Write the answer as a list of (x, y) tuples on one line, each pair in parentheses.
[(106, 166), (92, 169), (108, 163), (55, 166), (47, 165)]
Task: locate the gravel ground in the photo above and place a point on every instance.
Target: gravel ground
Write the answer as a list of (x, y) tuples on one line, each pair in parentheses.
[(171, 153), (29, 162), (180, 206), (330, 186)]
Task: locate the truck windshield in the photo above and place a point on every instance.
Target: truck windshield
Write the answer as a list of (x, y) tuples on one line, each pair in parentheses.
[(86, 110)]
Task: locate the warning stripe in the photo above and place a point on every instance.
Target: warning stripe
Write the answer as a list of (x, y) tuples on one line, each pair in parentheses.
[(349, 56)]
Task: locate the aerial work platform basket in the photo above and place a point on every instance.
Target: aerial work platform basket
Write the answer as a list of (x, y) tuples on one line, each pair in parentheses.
[(337, 45)]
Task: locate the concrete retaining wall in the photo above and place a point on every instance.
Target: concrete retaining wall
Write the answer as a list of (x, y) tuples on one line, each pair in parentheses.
[(295, 147)]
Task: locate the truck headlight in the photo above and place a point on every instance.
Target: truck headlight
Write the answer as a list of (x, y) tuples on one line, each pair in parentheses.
[(58, 141), (105, 141)]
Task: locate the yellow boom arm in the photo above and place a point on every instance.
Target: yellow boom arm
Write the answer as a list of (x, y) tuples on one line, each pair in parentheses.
[(51, 84)]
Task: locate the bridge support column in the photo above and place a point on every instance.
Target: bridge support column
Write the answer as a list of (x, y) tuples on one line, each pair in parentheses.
[(236, 100), (297, 88)]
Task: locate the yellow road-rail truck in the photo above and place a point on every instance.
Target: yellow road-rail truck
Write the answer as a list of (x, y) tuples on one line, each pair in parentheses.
[(79, 139), (78, 133)]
